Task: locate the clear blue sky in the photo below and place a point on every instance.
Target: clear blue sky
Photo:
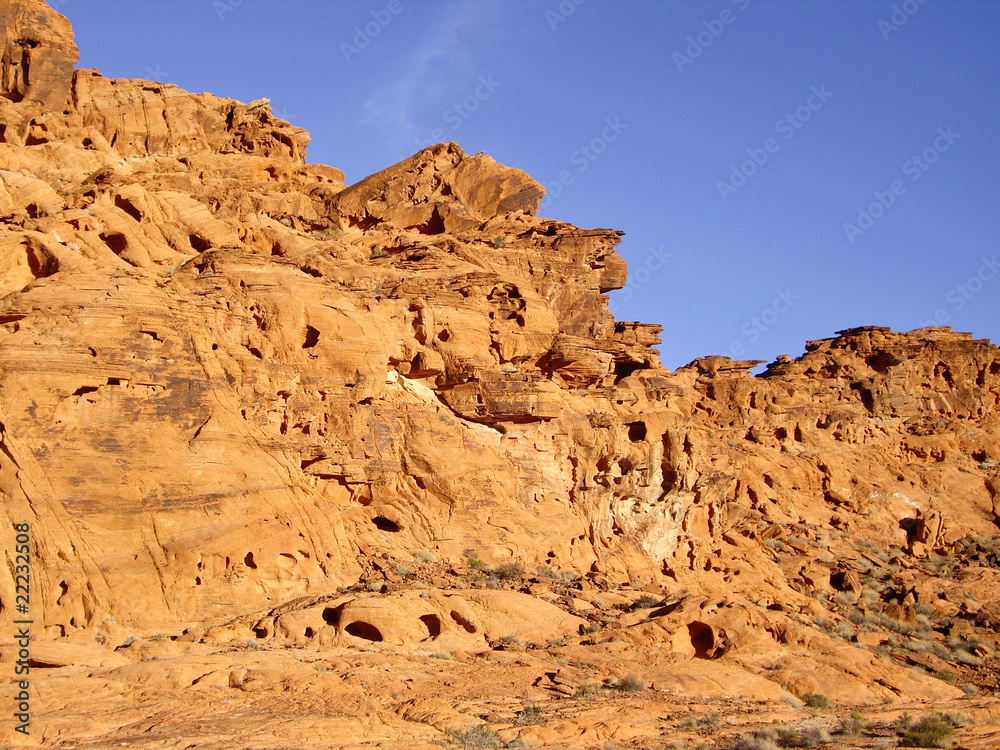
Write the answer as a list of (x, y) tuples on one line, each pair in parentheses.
[(642, 110)]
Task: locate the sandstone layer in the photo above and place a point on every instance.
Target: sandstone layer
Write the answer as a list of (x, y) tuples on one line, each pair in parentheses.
[(247, 408)]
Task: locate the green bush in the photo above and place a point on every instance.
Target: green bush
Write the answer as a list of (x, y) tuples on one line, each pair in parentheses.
[(646, 602), (930, 731), (817, 700), (854, 725)]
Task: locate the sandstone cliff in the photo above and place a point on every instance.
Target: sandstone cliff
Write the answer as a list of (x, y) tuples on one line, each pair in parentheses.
[(241, 399)]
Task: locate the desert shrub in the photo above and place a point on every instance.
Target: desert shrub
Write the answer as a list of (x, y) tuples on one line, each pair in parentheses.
[(812, 737), (530, 714), (930, 731), (479, 736), (853, 726), (646, 602), (946, 675), (817, 700), (499, 241), (630, 683), (402, 569), (586, 689), (755, 741), (511, 571), (445, 655), (710, 719), (474, 563), (424, 556)]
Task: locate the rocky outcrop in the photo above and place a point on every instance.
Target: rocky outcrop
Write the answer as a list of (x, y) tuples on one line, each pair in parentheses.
[(240, 400)]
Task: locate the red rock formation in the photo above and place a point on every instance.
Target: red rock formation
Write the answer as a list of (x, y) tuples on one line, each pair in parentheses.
[(230, 385)]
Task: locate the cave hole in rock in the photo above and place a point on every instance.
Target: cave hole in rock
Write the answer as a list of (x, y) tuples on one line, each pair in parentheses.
[(199, 243), (443, 335), (433, 625), (312, 338), (637, 431), (84, 389), (384, 524), (702, 638), (128, 207), (331, 615), (248, 561), (309, 632), (457, 617), (116, 241), (361, 629), (781, 433), (260, 632)]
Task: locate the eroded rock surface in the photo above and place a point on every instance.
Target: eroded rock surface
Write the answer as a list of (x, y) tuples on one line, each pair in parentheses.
[(242, 402)]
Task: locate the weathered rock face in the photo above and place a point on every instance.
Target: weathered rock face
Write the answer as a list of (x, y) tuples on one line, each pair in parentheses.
[(230, 384)]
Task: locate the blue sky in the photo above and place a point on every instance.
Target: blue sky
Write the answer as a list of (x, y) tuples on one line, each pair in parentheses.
[(782, 169)]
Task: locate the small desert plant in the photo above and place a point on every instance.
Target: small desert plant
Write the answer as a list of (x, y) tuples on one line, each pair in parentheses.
[(586, 689), (710, 719), (930, 731), (946, 675), (402, 569), (479, 736), (630, 683), (755, 741), (813, 737), (853, 726), (817, 700), (474, 563), (499, 241), (511, 571), (445, 655), (646, 601), (424, 556), (530, 714)]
